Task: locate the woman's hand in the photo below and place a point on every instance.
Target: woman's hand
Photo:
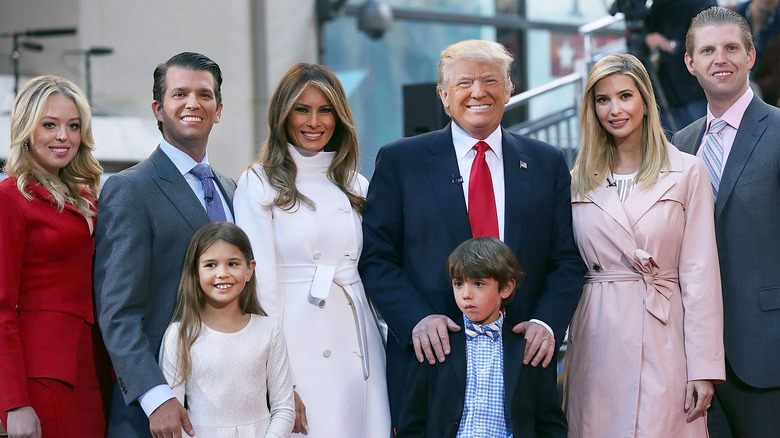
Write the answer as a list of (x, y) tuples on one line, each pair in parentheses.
[(699, 392), (301, 424), (23, 423)]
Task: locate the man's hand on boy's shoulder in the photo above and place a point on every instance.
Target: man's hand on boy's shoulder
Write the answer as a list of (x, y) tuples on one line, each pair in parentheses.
[(431, 338), (539, 345)]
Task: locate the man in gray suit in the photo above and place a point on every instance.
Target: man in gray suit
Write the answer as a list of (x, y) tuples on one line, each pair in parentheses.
[(743, 155), (148, 214)]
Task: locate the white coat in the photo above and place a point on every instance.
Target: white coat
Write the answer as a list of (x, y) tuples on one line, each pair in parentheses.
[(308, 280)]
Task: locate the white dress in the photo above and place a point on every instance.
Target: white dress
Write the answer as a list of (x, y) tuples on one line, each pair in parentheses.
[(231, 374), (308, 280)]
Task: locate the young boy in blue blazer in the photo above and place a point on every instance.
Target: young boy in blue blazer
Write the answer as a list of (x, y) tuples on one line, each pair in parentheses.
[(483, 389)]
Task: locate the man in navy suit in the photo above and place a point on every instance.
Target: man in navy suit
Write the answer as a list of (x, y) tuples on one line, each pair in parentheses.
[(720, 53), (417, 212), (147, 215)]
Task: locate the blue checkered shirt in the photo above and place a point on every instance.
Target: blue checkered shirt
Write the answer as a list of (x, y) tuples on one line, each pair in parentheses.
[(483, 411)]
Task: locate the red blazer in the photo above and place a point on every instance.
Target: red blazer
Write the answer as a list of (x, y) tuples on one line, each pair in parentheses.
[(45, 289)]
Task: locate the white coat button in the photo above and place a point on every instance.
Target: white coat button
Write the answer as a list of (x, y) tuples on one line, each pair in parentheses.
[(326, 353), (352, 255), (317, 255)]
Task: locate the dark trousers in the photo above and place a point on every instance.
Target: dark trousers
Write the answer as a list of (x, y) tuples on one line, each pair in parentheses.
[(742, 411)]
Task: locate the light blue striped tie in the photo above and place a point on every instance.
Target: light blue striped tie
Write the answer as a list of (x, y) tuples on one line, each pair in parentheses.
[(713, 153)]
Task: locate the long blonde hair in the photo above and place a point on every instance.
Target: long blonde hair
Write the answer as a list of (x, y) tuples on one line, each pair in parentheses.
[(83, 171), (597, 152), (191, 298), (276, 160)]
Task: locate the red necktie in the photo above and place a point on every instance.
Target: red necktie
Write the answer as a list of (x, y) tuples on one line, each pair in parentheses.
[(482, 200)]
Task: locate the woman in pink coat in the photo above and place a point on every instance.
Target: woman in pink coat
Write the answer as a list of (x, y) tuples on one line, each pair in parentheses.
[(645, 344)]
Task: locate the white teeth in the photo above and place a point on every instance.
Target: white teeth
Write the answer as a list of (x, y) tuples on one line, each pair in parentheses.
[(479, 107), (222, 286), (59, 149), (191, 119), (312, 136), (723, 74)]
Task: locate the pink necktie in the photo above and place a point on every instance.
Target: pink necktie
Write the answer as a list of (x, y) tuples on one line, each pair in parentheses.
[(482, 201)]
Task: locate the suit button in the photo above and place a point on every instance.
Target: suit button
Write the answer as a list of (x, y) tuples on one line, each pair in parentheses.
[(352, 255), (596, 267), (317, 255), (326, 353)]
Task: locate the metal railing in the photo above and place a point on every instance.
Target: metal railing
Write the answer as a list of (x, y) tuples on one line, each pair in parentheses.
[(560, 128)]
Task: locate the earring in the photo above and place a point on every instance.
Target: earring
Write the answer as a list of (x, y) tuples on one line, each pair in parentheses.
[(26, 145), (645, 111)]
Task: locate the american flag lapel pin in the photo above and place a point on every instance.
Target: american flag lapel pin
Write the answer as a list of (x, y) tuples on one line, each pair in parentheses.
[(523, 164)]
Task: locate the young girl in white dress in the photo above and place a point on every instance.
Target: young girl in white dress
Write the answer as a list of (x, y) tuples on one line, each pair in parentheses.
[(224, 359)]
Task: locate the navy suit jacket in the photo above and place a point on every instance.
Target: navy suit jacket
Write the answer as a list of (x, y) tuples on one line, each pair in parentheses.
[(747, 229), (435, 394), (416, 215), (147, 216)]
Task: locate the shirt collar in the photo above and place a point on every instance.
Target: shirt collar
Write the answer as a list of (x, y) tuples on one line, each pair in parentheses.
[(733, 115), (183, 162), (473, 329), (463, 142)]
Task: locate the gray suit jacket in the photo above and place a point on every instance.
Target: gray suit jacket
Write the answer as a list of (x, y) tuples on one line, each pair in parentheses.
[(747, 227), (147, 216)]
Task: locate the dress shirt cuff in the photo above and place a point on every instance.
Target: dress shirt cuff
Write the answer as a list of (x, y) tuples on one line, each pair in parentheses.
[(153, 398), (543, 324)]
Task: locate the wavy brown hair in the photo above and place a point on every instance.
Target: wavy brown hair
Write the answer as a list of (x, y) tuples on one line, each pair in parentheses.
[(191, 299), (82, 172), (278, 164)]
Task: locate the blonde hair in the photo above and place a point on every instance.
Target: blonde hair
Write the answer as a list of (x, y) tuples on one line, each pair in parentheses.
[(488, 52), (597, 152), (82, 172), (191, 298), (276, 160)]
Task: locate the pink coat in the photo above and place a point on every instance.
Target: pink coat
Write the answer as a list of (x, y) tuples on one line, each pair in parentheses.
[(650, 317)]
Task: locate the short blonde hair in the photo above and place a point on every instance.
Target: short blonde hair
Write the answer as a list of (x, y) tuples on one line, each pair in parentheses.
[(597, 151), (489, 52), (82, 171)]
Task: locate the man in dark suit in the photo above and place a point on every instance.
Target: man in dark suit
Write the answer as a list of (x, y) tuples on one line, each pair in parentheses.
[(418, 210), (148, 214), (720, 53)]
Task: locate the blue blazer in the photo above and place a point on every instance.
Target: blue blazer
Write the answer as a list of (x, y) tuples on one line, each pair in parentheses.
[(747, 229), (416, 215), (435, 394), (147, 216)]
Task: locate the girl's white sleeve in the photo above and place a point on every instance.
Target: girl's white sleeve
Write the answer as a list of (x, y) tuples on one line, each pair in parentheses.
[(169, 361), (280, 386)]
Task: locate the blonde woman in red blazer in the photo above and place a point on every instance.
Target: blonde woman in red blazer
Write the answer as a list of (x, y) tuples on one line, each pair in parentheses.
[(49, 343)]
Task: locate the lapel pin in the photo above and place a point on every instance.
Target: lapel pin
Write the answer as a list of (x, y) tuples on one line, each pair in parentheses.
[(523, 165)]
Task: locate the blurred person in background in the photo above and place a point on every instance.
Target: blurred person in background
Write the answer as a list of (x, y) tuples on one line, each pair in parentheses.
[(763, 16)]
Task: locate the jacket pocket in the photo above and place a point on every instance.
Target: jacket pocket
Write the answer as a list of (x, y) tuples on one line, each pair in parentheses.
[(769, 298)]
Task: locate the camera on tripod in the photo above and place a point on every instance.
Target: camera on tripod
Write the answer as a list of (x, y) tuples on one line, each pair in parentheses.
[(635, 12)]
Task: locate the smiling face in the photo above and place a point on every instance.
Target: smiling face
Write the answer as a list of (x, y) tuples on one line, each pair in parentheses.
[(57, 138), (189, 109), (620, 108), (312, 121), (475, 94), (721, 63), (223, 272), (480, 298)]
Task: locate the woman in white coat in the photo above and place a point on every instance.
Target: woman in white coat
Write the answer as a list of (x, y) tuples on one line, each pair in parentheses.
[(301, 205)]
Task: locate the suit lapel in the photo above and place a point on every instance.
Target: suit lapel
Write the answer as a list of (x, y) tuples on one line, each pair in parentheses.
[(222, 183), (517, 189), (750, 131), (641, 200), (173, 185), (443, 173), (458, 350)]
